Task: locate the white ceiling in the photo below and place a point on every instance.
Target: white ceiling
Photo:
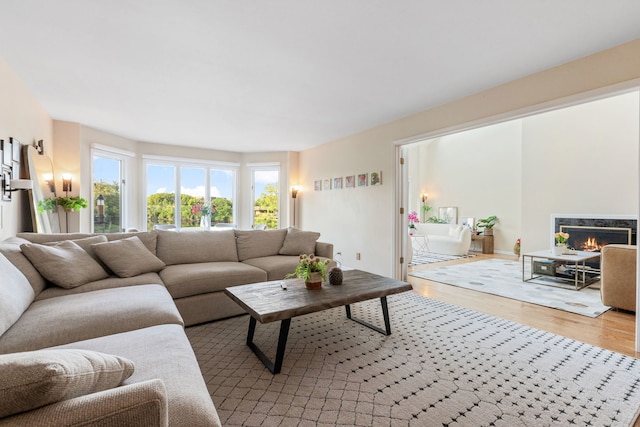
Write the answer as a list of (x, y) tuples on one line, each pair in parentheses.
[(281, 75)]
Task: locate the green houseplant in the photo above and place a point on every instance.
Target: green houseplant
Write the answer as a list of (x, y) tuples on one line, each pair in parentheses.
[(312, 270), (487, 224), (72, 204)]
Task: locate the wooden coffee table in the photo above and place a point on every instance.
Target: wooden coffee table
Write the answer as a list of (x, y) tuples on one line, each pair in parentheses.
[(269, 302)]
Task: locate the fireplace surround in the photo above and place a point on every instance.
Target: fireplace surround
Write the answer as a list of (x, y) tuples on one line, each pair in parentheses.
[(590, 233)]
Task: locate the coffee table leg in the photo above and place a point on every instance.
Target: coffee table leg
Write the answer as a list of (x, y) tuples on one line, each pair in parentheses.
[(385, 315), (274, 368)]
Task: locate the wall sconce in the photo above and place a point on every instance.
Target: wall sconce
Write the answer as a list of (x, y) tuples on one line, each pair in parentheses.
[(48, 179), (66, 183), (294, 191), (424, 197), (10, 185), (294, 195)]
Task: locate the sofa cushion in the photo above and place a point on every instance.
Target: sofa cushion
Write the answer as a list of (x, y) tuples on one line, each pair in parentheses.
[(16, 294), (128, 257), (84, 243), (259, 243), (66, 264), (11, 249), (279, 266), (299, 242), (196, 246), (185, 280), (70, 318), (149, 238), (33, 379), (163, 352), (108, 283)]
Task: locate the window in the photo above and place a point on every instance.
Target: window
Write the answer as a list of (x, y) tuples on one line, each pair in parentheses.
[(266, 196), (197, 184), (108, 170)]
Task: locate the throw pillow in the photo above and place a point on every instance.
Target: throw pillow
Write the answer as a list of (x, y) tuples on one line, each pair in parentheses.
[(299, 242), (32, 379), (66, 264), (128, 257)]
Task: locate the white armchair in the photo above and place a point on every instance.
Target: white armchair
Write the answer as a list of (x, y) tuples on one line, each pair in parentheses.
[(449, 239)]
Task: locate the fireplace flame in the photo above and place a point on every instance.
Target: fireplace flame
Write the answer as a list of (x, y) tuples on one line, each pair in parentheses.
[(591, 245)]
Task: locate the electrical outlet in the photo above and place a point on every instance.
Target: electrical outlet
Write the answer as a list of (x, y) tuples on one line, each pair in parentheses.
[(357, 256)]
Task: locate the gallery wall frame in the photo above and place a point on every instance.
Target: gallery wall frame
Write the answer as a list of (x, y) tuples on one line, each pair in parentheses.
[(448, 214), (7, 153)]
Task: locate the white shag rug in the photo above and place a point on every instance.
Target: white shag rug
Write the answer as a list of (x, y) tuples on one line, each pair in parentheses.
[(504, 278)]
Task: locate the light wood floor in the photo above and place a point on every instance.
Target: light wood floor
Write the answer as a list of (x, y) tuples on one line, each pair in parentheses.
[(613, 330)]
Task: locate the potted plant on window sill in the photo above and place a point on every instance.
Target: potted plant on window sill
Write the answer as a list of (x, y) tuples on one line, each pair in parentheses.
[(312, 270)]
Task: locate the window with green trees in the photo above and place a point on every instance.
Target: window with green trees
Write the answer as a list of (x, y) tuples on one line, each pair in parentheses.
[(107, 193), (196, 191), (266, 197)]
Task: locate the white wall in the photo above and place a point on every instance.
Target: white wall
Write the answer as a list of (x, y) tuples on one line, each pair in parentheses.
[(579, 160), (21, 117), (477, 171)]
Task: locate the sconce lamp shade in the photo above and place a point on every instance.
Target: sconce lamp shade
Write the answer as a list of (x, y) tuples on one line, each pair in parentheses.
[(294, 191), (21, 184), (66, 182)]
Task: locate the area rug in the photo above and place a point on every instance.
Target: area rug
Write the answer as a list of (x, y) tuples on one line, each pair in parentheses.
[(442, 365), (431, 257), (504, 278)]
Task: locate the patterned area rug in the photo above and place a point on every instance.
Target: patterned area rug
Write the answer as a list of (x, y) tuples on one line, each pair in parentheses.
[(442, 365), (504, 278), (431, 257)]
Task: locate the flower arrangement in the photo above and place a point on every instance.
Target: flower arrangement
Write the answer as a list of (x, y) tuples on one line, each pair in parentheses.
[(309, 264), (204, 209), (413, 218), (561, 238), (516, 247)]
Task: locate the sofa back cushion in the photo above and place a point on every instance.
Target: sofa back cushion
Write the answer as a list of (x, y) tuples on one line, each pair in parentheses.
[(259, 243), (11, 249), (16, 294), (149, 238), (191, 247)]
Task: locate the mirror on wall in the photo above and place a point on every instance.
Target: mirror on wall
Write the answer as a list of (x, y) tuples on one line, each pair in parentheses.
[(44, 212)]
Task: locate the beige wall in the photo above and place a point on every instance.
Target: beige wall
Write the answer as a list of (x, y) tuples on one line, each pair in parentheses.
[(21, 117), (365, 220)]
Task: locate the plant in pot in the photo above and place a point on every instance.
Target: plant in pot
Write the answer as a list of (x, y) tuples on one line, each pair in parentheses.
[(312, 270), (72, 204), (487, 224), (412, 218)]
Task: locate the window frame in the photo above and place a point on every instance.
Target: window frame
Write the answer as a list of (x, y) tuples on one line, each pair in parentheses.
[(265, 167), (124, 157), (178, 163)]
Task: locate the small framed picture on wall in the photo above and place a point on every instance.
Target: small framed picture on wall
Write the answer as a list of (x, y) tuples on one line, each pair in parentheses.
[(7, 153), (327, 184), (376, 178), (317, 185), (337, 183), (350, 181), (362, 179)]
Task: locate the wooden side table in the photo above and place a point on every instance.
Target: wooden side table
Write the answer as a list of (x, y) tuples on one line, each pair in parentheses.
[(485, 243)]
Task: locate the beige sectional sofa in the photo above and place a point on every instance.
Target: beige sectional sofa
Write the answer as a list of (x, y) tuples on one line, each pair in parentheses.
[(108, 312)]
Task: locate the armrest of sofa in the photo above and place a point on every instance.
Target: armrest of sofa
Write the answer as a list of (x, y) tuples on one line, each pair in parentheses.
[(618, 276), (324, 249), (143, 403)]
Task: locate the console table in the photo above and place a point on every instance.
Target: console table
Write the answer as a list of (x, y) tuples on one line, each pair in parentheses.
[(485, 243)]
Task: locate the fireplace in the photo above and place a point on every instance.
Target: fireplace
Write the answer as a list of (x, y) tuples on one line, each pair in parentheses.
[(590, 234)]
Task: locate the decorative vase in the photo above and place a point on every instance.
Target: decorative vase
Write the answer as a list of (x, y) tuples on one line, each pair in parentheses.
[(335, 276), (559, 248), (205, 222), (412, 230), (314, 281)]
